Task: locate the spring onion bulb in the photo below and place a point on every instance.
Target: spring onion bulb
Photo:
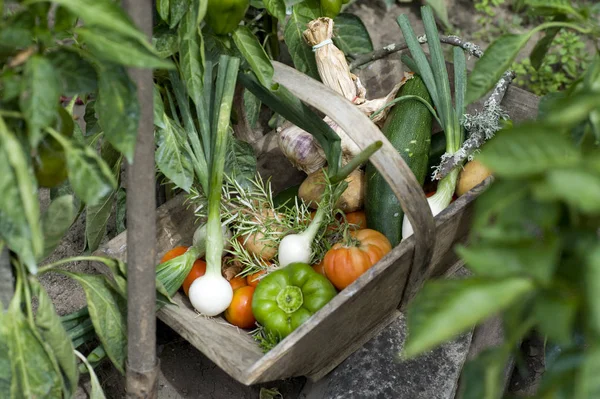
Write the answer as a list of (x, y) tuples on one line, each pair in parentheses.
[(298, 247)]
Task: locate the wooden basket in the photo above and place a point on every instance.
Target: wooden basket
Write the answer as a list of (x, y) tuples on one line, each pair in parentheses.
[(362, 309)]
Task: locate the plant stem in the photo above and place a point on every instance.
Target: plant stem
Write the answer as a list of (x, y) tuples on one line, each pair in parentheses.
[(355, 162), (362, 59), (52, 265)]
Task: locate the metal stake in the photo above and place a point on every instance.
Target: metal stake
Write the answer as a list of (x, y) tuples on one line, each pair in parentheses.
[(142, 365)]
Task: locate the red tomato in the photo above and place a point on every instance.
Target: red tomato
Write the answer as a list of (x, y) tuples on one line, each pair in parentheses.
[(238, 282), (358, 218), (344, 264), (320, 268), (175, 252), (253, 279), (198, 269), (239, 313)]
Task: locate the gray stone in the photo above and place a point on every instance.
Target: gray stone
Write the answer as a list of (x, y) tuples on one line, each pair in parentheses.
[(376, 371)]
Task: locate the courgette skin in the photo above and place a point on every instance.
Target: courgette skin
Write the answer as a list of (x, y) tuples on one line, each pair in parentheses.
[(408, 128)]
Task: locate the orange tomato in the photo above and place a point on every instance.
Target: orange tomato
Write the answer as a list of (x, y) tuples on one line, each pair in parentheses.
[(253, 279), (198, 269), (358, 218), (239, 313), (175, 252), (344, 264), (320, 268), (237, 282)]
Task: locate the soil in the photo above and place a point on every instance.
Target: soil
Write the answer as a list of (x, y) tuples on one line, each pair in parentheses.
[(185, 372)]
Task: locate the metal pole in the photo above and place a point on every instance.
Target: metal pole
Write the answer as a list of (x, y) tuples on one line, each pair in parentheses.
[(142, 365)]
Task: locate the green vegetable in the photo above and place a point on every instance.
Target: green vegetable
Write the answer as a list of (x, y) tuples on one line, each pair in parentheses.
[(408, 127), (224, 16), (287, 197), (331, 8), (286, 298)]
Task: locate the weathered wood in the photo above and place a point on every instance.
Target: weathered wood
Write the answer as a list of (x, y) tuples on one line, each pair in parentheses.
[(387, 160)]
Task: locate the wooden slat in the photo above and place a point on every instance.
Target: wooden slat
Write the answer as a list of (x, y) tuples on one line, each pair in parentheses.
[(229, 347)]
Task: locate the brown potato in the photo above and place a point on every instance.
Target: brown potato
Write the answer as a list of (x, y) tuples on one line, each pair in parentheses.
[(312, 188), (473, 173)]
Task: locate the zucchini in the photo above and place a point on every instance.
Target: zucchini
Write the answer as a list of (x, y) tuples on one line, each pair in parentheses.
[(408, 127)]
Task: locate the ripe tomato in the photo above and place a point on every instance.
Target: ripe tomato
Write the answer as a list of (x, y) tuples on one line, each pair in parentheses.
[(198, 269), (238, 282), (175, 252), (239, 313), (345, 263), (358, 218), (320, 268), (253, 279)]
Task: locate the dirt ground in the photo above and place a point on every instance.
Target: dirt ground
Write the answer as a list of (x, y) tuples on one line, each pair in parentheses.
[(186, 373)]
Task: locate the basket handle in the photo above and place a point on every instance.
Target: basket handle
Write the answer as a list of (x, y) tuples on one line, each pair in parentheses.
[(387, 160)]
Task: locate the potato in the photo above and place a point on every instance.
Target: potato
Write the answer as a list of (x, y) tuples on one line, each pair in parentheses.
[(312, 188), (473, 173)]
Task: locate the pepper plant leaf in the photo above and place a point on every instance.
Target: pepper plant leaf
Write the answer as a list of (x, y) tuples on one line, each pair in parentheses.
[(276, 8), (5, 371), (77, 75), (172, 159), (163, 7), (39, 96), (527, 150), (177, 10), (439, 312), (108, 313), (483, 376), (118, 109), (240, 162), (301, 53), (55, 336), (495, 61), (351, 35), (96, 391), (57, 219), (254, 54)]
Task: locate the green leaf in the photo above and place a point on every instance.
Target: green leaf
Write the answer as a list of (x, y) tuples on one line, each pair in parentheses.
[(460, 81), (240, 162), (555, 313), (350, 34), (445, 308), (177, 9), (276, 8), (252, 107), (527, 150), (537, 260), (22, 206), (254, 54), (439, 7), (96, 392), (109, 46), (57, 220), (497, 58), (482, 377), (108, 313), (310, 9), (105, 14), (5, 372), (572, 110), (301, 53), (592, 287), (64, 20), (543, 45), (191, 55), (118, 109), (55, 336), (163, 6), (165, 41), (560, 376), (551, 7), (575, 186), (39, 96), (31, 367), (588, 383), (89, 175), (171, 158), (121, 210), (77, 75)]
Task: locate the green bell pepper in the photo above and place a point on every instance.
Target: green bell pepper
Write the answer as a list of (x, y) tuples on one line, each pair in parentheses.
[(224, 16), (286, 298)]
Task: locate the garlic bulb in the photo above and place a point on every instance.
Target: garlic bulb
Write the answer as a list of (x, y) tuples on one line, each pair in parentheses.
[(301, 148)]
